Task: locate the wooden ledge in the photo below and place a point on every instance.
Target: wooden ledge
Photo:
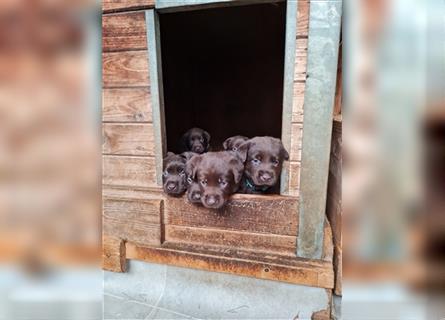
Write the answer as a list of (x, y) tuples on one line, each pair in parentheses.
[(271, 267)]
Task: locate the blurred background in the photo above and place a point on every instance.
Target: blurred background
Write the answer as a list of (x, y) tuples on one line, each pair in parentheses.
[(393, 189)]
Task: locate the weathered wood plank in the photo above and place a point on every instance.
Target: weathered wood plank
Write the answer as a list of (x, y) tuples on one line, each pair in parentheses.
[(296, 142), (126, 105), (294, 178), (121, 5), (113, 254), (300, 59), (124, 31), (328, 245), (142, 211), (298, 103), (324, 34), (301, 272), (133, 220), (235, 239), (303, 18), (125, 69), (129, 171), (259, 214), (128, 139)]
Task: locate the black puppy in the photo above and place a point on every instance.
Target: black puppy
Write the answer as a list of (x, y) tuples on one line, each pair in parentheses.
[(218, 175), (174, 176), (233, 143), (264, 158), (195, 140)]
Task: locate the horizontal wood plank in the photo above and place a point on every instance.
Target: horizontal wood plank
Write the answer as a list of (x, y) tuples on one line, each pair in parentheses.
[(124, 31), (125, 69), (128, 139), (135, 210), (142, 233), (126, 105), (259, 214), (129, 171), (300, 272), (121, 5), (235, 239)]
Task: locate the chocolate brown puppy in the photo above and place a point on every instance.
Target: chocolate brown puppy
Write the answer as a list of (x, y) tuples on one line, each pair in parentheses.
[(173, 176), (218, 175), (264, 157), (233, 143), (195, 140)]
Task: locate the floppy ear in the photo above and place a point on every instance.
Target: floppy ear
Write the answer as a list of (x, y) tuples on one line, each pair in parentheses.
[(284, 153), (243, 150), (187, 155), (183, 142), (192, 165), (206, 136), (237, 169), (226, 143)]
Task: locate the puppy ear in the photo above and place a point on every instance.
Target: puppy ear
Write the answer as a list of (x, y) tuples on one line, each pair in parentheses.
[(187, 155), (284, 152), (243, 150), (183, 141), (237, 169), (192, 165), (226, 143), (206, 136)]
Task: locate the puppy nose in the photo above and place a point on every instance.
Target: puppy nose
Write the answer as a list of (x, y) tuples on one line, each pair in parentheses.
[(196, 196), (212, 200), (265, 176), (171, 186)]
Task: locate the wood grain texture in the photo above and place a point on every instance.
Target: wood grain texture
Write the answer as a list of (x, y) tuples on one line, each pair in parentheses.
[(294, 178), (126, 105), (303, 18), (124, 31), (296, 142), (113, 254), (304, 272), (298, 102), (328, 245), (129, 171), (258, 214), (128, 139), (121, 5), (300, 59), (125, 69), (258, 242), (138, 222)]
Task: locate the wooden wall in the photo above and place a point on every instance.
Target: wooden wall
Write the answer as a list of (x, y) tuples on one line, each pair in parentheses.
[(128, 152)]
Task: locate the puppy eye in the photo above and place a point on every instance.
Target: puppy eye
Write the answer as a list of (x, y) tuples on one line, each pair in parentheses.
[(165, 173), (256, 161), (234, 148), (275, 162), (222, 182), (204, 182), (189, 180), (181, 172), (201, 139)]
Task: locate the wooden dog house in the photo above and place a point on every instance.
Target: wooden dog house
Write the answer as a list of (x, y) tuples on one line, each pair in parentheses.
[(232, 67)]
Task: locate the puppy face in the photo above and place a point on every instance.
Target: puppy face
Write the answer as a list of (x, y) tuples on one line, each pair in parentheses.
[(233, 143), (264, 158), (218, 175), (195, 140), (174, 177)]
